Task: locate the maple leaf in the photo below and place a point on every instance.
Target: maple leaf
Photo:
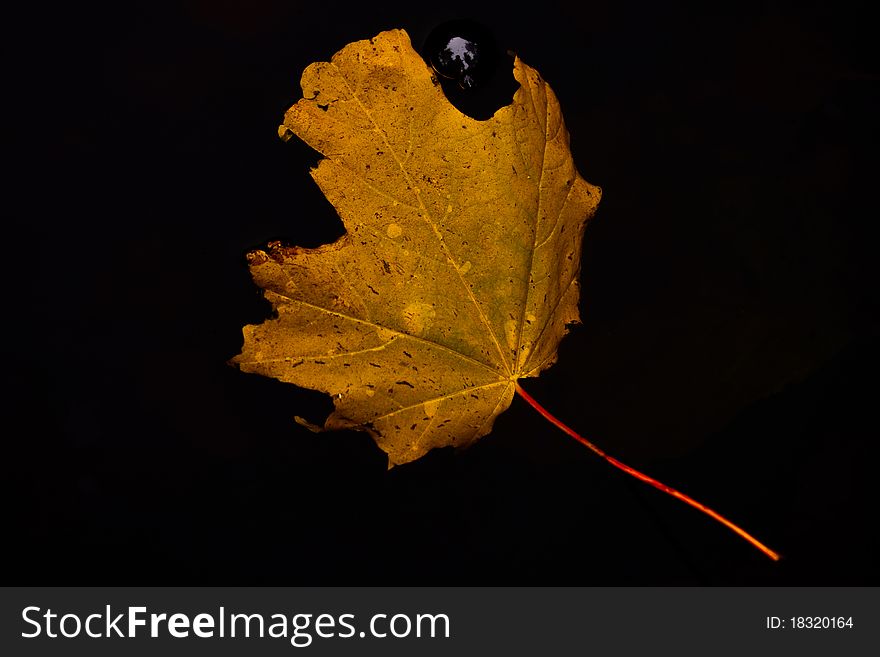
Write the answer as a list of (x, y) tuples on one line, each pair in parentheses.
[(458, 272)]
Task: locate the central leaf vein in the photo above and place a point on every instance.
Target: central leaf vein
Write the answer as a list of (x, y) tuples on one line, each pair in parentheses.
[(429, 219)]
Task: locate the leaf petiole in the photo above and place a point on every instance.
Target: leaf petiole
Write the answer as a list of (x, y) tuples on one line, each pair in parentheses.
[(643, 477)]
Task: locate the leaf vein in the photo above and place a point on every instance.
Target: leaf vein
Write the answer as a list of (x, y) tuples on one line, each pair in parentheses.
[(549, 319), (373, 324), (558, 217), (440, 398), (322, 357), (429, 219), (522, 318)]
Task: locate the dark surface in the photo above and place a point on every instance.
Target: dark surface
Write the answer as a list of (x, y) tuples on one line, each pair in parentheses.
[(728, 345)]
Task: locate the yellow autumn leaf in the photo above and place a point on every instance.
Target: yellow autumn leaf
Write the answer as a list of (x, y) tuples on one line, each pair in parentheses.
[(458, 272)]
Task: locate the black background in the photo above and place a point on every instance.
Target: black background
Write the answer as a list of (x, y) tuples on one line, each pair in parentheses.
[(728, 345)]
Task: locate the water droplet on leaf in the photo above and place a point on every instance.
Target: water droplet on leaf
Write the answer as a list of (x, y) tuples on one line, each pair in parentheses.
[(461, 52), (474, 73)]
